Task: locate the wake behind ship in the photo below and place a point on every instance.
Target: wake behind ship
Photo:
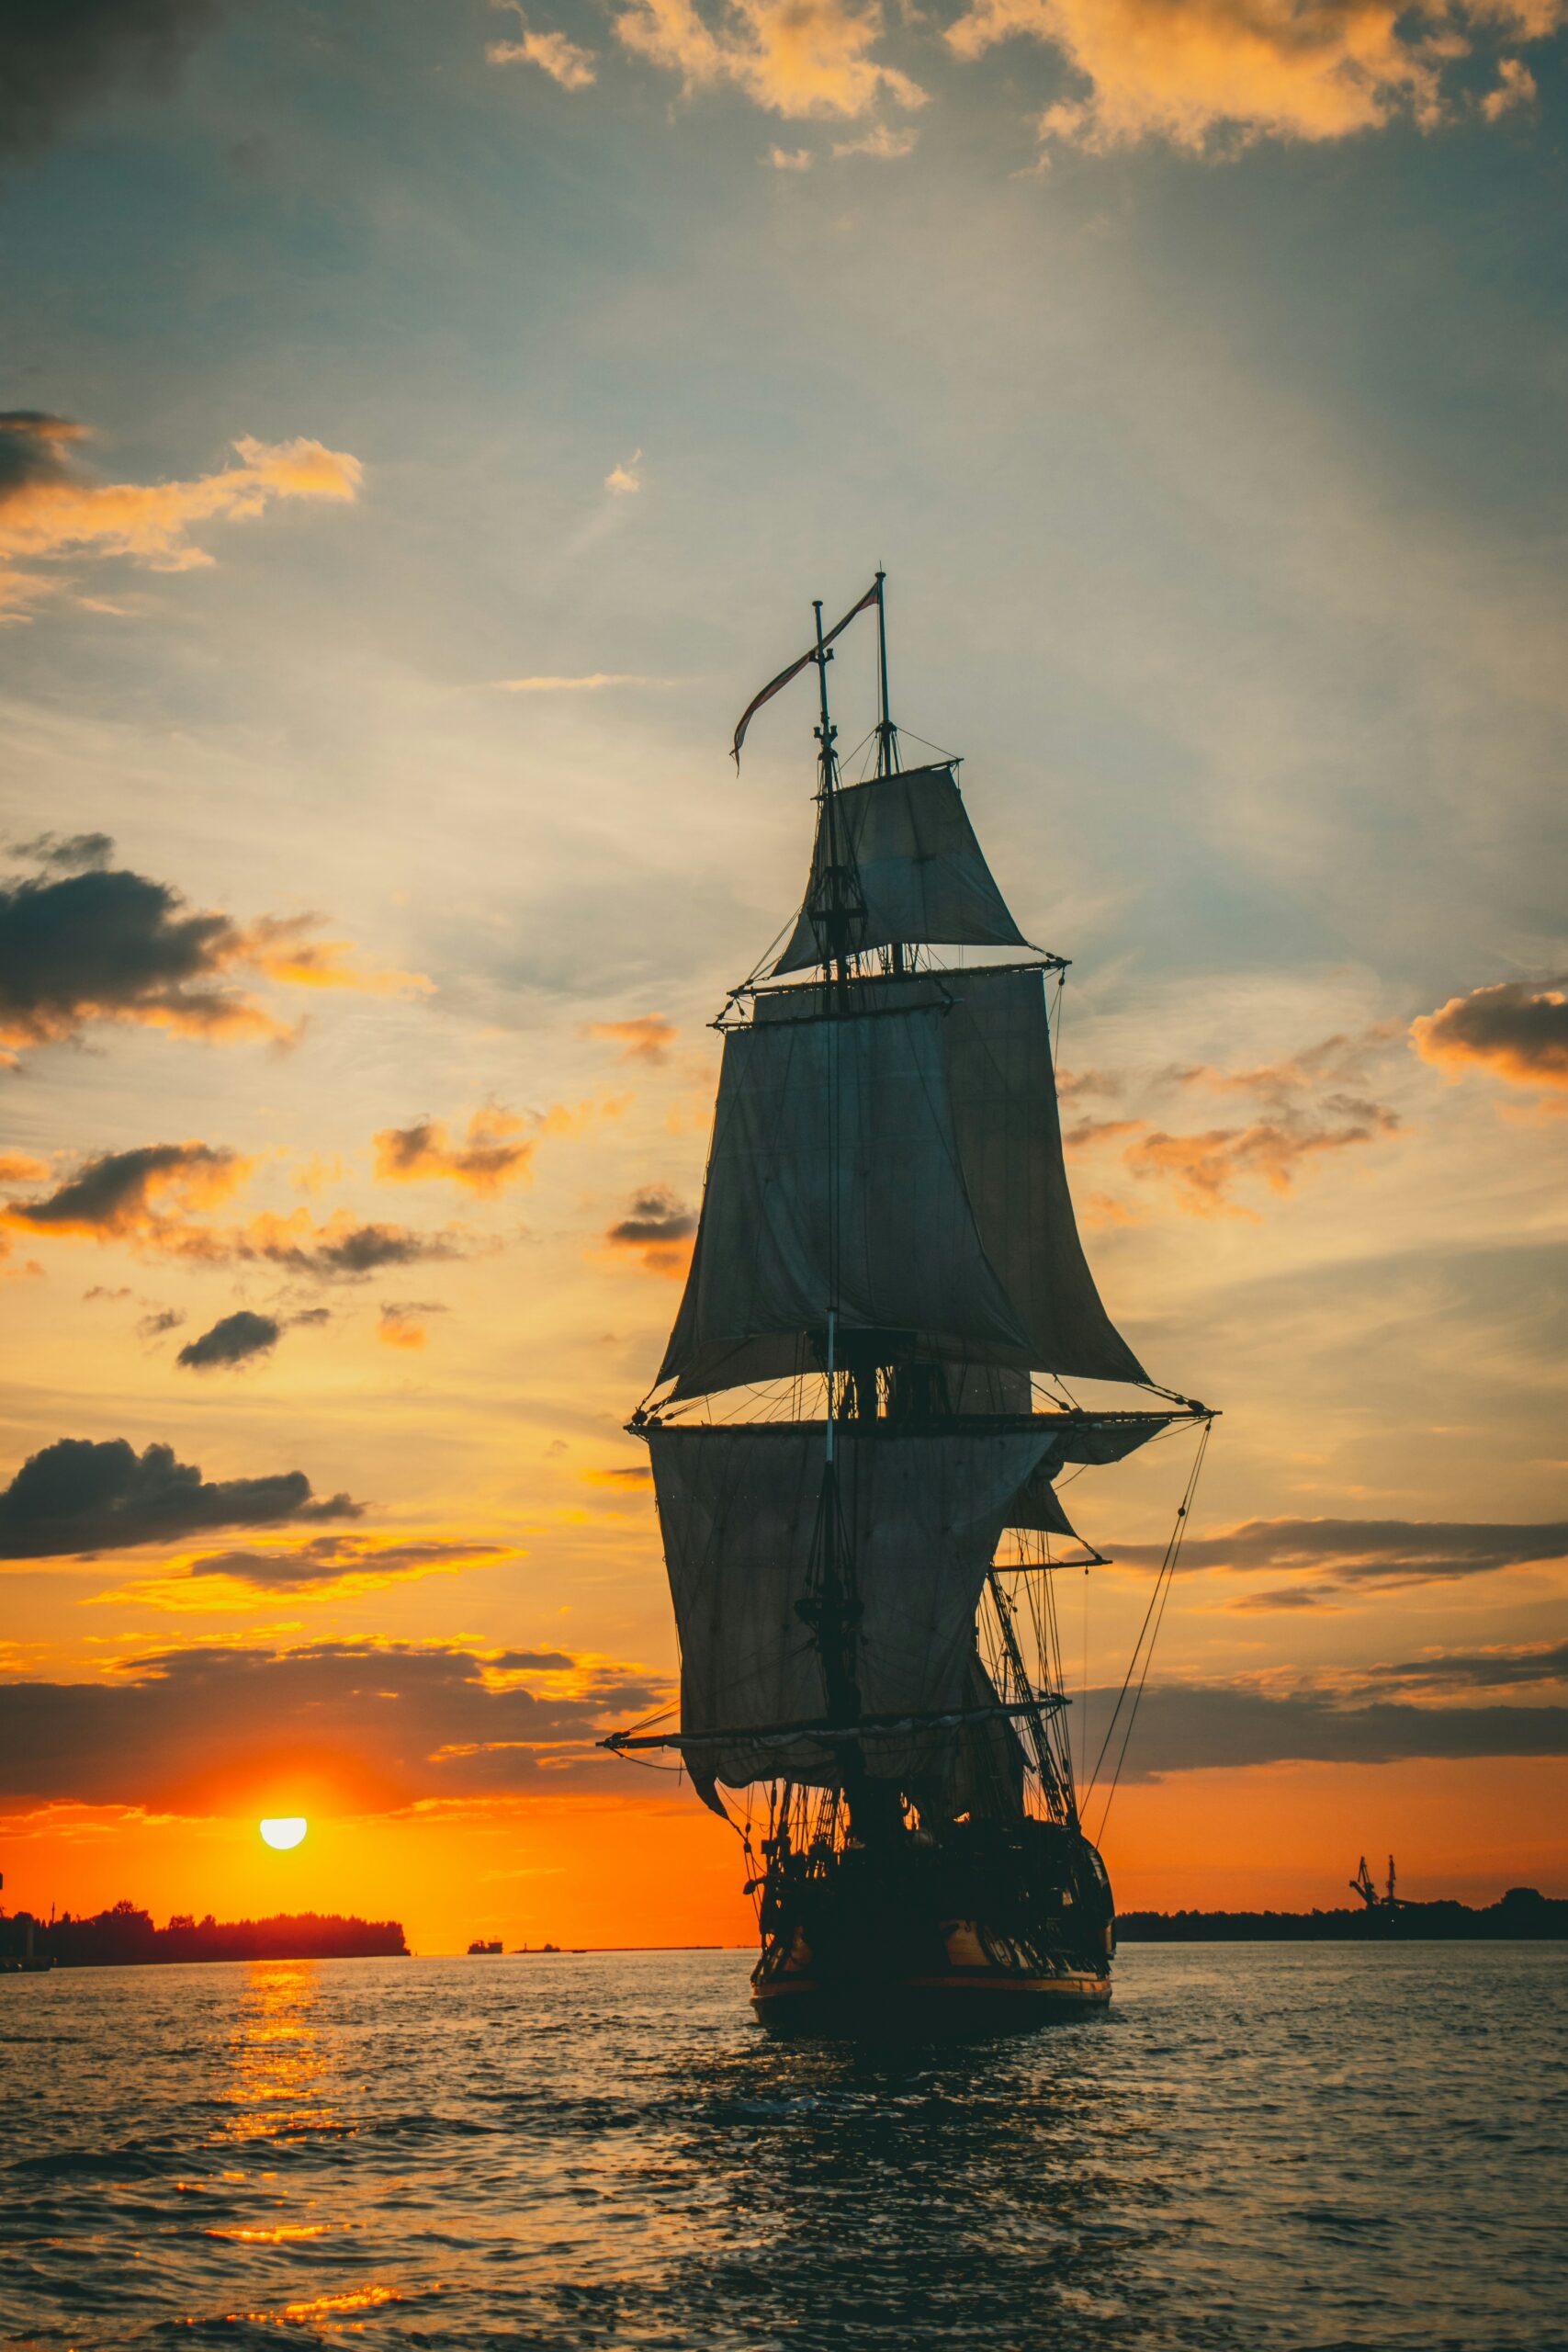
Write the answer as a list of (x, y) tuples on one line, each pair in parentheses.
[(859, 1426)]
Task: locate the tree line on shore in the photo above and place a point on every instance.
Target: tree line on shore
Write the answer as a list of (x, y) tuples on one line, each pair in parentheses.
[(125, 1936)]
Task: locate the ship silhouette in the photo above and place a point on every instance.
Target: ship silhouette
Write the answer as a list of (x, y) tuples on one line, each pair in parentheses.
[(860, 1425)]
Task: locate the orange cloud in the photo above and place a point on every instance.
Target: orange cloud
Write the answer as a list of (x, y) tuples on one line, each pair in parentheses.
[(497, 1149), (564, 61), (490, 1157), (49, 507), (151, 1198), (1214, 76), (1205, 1168), (332, 1567), (798, 58), (645, 1037), (1515, 1029), (1516, 87), (140, 1195), (400, 1323), (280, 947)]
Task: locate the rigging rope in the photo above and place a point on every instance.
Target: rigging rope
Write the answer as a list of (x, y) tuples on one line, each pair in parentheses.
[(1148, 1634)]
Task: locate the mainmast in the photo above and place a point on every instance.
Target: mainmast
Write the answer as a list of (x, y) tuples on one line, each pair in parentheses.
[(831, 1612)]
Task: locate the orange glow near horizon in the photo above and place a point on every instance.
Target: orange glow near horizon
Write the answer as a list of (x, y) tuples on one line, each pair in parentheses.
[(587, 1870)]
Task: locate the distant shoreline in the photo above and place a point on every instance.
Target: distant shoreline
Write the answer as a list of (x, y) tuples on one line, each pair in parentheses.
[(1521, 1917)]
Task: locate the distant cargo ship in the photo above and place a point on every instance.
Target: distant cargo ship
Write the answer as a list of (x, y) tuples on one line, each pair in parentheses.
[(482, 1950)]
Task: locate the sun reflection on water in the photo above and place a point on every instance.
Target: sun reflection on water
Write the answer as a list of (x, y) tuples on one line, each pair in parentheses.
[(280, 2068)]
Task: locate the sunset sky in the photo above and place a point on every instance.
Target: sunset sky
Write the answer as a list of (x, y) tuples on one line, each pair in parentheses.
[(422, 427)]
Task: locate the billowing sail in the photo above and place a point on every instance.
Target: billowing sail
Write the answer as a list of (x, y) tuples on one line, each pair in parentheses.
[(920, 873), (933, 1102), (739, 1507)]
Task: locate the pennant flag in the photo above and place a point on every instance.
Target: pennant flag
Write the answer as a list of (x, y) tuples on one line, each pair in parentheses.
[(774, 684)]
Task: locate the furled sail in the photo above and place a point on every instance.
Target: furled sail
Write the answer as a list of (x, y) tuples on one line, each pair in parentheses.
[(922, 874), (918, 1131), (739, 1510)]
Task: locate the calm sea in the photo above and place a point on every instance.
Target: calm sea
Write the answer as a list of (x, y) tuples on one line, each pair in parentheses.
[(1258, 2147)]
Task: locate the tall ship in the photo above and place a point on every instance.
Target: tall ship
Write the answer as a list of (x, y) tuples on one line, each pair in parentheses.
[(862, 1424)]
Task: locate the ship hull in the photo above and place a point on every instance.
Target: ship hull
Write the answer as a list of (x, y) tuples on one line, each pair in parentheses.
[(968, 2001), (988, 1929)]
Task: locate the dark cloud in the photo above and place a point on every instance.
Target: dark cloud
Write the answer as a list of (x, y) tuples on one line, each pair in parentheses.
[(656, 1230), (58, 57), (34, 445), (106, 946), (65, 853), (1516, 1030), (654, 1216), (353, 1251), (234, 1339), (153, 1327), (122, 1192), (1495, 1670), (387, 1724), (1369, 1551), (147, 1195), (1191, 1727), (79, 1495)]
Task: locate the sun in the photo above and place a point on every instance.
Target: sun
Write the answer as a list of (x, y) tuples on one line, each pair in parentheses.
[(284, 1833)]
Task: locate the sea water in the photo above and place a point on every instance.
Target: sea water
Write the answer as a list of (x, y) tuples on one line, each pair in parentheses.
[(1258, 2146)]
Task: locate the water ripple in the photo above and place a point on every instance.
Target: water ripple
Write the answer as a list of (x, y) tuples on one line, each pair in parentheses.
[(1261, 2150)]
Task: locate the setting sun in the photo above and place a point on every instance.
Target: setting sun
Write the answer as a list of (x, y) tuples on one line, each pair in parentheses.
[(285, 1833)]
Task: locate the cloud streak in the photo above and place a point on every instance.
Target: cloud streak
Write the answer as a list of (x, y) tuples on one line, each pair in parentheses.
[(1369, 1552), (51, 508), (386, 1723)]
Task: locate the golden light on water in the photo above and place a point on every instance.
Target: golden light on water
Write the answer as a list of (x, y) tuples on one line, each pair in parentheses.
[(288, 1830)]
